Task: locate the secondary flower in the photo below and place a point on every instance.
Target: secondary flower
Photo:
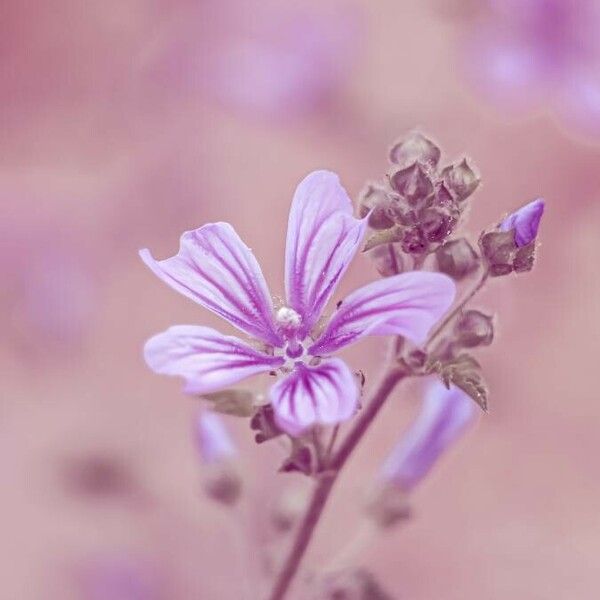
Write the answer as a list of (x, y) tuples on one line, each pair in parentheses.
[(218, 271), (525, 222), (444, 417)]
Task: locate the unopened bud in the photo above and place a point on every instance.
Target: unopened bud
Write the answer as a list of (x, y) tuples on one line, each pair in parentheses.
[(499, 249), (524, 258), (457, 258), (375, 202), (473, 329), (415, 148), (460, 180), (388, 260), (412, 184), (220, 480), (414, 241), (436, 224), (213, 442), (525, 222), (445, 415)]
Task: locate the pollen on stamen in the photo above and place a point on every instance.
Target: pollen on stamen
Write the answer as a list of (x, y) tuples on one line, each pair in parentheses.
[(288, 318)]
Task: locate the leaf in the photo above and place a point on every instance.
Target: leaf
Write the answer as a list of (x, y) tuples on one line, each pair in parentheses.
[(238, 403), (465, 373)]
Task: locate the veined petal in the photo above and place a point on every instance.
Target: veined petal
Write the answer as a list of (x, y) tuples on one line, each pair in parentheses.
[(205, 358), (322, 239), (444, 416), (327, 394), (408, 304), (218, 271)]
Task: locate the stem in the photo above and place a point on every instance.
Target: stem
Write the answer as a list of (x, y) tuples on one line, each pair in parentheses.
[(331, 443), (434, 334), (323, 489)]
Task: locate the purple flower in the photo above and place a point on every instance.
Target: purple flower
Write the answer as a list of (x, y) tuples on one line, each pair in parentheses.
[(213, 441), (525, 222), (215, 269), (444, 416)]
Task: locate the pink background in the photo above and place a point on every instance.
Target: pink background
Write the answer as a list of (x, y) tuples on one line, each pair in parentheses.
[(118, 133)]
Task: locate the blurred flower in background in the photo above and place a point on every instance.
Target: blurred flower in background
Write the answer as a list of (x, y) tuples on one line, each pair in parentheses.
[(531, 54), (50, 281), (268, 60)]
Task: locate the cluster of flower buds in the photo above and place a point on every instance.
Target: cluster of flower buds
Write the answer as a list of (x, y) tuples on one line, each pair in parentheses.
[(221, 482), (445, 415), (420, 203), (511, 247)]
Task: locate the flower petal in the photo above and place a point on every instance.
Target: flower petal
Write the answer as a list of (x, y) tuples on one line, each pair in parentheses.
[(327, 394), (407, 304), (322, 239), (444, 416), (525, 222), (205, 358), (218, 271)]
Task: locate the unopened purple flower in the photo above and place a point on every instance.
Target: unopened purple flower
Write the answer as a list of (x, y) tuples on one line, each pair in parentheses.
[(444, 416), (525, 222), (213, 441), (215, 269)]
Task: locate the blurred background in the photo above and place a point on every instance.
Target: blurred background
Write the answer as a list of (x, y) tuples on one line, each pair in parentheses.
[(127, 122)]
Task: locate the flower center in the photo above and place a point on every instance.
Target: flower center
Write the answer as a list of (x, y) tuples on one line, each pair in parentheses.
[(288, 319), (289, 322)]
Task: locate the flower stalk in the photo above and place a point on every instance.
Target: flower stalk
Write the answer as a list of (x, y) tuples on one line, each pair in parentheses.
[(392, 376)]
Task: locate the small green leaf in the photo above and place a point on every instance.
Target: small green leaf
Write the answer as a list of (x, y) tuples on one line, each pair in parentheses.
[(465, 373)]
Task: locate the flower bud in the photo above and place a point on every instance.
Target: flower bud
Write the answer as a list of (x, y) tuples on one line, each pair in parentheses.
[(460, 180), (457, 258), (473, 329), (436, 224), (415, 148), (414, 242), (213, 442), (412, 184), (375, 202), (216, 449), (525, 222), (444, 417), (499, 249)]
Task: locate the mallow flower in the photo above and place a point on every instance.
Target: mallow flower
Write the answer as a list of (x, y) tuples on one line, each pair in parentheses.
[(445, 415), (525, 222), (218, 271)]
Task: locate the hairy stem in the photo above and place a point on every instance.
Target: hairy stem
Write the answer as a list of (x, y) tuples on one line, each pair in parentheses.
[(323, 488)]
